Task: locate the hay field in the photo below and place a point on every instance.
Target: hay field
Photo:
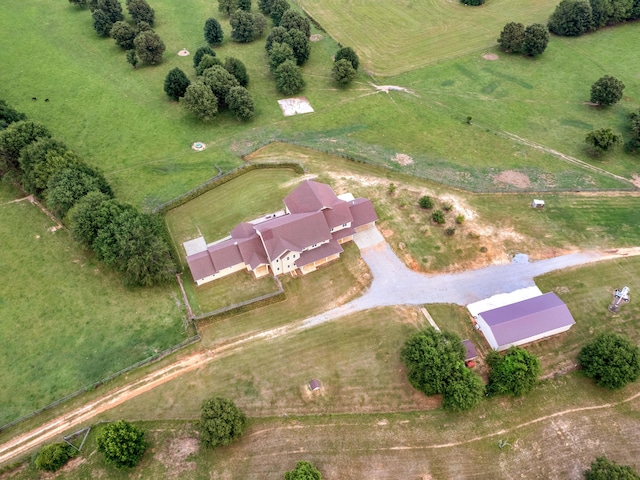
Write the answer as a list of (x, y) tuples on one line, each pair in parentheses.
[(396, 37)]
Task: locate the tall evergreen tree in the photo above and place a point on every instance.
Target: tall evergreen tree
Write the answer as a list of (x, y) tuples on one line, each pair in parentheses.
[(176, 83)]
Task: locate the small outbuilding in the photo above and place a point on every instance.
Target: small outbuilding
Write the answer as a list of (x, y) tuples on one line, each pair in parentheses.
[(314, 385), (525, 321), (537, 203), (470, 353)]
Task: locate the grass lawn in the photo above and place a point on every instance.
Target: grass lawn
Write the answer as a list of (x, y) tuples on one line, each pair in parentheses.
[(67, 321), (121, 121), (396, 37)]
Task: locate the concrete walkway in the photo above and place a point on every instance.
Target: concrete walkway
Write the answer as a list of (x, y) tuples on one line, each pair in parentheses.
[(395, 284)]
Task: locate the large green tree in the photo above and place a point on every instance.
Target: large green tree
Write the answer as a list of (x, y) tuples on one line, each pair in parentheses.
[(241, 103), (276, 35), (343, 72), (514, 373), (607, 91), (149, 47), (207, 62), (242, 26), (604, 469), (464, 390), (9, 115), (213, 33), (571, 18), (511, 37), (289, 79), (220, 81), (350, 54), (15, 138), (90, 214), (244, 5), (303, 471), (52, 457), (292, 19), (431, 357), (123, 34), (140, 11), (536, 39), (601, 141), (122, 443), (236, 68), (200, 101), (632, 145), (176, 83), (227, 7), (277, 9), (612, 360), (135, 245), (299, 43), (200, 53), (113, 9), (265, 6), (221, 422), (101, 22), (278, 54), (70, 184), (42, 159)]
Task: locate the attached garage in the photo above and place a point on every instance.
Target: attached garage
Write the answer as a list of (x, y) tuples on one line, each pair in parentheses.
[(525, 321)]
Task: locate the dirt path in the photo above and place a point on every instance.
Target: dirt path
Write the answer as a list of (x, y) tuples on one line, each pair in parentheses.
[(389, 287), (566, 158)]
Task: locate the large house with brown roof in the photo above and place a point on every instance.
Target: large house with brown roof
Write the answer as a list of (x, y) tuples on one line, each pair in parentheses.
[(306, 234)]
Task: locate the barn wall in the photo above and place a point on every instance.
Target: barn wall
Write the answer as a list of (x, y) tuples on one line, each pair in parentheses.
[(486, 331)]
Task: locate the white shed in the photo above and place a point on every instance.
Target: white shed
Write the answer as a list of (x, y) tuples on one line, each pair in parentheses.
[(537, 203)]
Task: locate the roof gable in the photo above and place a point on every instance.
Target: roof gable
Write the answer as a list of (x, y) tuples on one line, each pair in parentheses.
[(293, 232), (528, 318), (311, 196)]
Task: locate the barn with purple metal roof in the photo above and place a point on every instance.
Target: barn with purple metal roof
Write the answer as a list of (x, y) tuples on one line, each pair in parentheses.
[(525, 322)]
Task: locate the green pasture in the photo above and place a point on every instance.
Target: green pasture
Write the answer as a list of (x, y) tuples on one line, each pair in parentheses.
[(396, 37), (119, 119), (66, 320)]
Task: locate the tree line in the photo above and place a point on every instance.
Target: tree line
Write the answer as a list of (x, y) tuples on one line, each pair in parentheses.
[(127, 240), (142, 44), (435, 365), (576, 17)]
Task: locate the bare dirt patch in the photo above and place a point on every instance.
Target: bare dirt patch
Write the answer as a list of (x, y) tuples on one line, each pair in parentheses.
[(635, 179), (490, 56), (514, 178), (402, 159), (175, 456), (316, 37)]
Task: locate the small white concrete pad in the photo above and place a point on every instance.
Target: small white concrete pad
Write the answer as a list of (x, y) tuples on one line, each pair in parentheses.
[(295, 106), (196, 245), (368, 238)]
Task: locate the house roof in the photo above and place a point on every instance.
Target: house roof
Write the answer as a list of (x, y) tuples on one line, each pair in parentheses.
[(252, 251), (528, 318), (362, 211), (343, 232), (200, 265), (315, 254), (225, 254), (339, 214), (293, 232), (243, 230), (470, 350), (311, 196)]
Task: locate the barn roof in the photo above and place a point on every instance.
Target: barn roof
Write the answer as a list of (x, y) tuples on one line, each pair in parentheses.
[(528, 318)]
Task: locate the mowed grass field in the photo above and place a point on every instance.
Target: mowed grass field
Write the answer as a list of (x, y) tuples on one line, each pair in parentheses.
[(368, 422), (67, 321), (120, 120), (396, 37)]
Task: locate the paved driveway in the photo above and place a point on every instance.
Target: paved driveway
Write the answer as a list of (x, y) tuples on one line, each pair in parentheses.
[(395, 284)]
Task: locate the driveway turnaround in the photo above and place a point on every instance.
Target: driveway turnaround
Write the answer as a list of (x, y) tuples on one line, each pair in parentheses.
[(395, 284)]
